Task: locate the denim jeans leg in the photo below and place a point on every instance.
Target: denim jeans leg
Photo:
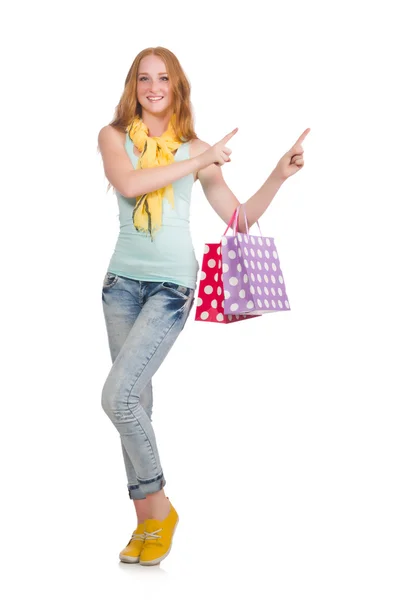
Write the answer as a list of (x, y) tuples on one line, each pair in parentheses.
[(160, 321), (134, 488), (121, 307)]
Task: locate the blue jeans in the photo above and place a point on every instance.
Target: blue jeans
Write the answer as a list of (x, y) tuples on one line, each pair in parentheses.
[(143, 320)]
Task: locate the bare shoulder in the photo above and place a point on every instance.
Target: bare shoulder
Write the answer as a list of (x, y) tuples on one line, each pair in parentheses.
[(197, 147), (109, 136)]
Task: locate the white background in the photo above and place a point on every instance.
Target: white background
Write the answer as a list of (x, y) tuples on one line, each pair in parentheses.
[(277, 436)]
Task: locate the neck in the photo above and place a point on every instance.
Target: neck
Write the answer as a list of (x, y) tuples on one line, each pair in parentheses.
[(156, 124)]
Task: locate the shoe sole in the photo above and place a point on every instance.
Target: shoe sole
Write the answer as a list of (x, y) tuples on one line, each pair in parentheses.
[(128, 559), (156, 561)]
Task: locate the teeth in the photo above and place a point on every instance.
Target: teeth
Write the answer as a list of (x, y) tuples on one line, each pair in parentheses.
[(155, 98)]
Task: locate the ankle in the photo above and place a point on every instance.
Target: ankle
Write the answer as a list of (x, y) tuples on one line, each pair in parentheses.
[(161, 512)]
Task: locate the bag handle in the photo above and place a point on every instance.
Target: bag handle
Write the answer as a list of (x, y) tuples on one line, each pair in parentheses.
[(236, 213), (235, 223), (234, 220), (230, 222)]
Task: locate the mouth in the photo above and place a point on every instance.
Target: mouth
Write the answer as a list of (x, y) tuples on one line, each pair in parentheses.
[(154, 98)]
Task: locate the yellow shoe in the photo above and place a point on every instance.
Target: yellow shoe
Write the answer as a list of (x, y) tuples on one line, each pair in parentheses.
[(131, 552), (158, 538)]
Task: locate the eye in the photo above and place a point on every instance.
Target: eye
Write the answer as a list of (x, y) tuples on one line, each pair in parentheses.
[(143, 77)]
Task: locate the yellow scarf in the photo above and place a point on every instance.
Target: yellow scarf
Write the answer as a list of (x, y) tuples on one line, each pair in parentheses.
[(155, 151)]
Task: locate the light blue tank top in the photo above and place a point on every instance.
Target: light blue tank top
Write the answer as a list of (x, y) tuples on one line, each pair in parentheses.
[(170, 256)]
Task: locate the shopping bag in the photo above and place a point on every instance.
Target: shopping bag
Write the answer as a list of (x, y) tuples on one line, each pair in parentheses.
[(210, 297), (253, 282)]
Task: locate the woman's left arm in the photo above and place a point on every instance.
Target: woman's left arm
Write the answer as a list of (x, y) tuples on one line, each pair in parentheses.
[(224, 202)]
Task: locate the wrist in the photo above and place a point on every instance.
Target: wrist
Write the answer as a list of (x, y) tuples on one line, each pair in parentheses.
[(202, 161), (276, 178)]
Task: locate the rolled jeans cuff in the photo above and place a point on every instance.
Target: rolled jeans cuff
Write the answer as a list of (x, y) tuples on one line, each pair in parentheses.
[(143, 488)]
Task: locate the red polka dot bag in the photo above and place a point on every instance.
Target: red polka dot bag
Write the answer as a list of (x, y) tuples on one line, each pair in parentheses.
[(240, 278)]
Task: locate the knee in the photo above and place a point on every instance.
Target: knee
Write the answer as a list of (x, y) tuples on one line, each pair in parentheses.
[(108, 398), (115, 402)]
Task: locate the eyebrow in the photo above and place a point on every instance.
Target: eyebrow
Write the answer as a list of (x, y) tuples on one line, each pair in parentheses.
[(148, 73)]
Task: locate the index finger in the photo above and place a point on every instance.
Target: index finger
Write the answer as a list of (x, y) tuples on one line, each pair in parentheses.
[(302, 137), (230, 135)]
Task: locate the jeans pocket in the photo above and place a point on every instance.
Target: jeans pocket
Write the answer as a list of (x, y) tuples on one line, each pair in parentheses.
[(110, 280), (180, 290)]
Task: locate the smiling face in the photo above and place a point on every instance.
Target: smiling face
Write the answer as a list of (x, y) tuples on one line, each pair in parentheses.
[(154, 90)]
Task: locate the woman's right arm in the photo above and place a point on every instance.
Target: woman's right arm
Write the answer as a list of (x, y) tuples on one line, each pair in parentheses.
[(132, 183)]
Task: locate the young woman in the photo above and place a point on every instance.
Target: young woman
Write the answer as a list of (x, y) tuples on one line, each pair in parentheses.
[(152, 157)]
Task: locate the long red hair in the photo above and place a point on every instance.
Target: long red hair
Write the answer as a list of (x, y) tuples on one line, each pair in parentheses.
[(128, 107)]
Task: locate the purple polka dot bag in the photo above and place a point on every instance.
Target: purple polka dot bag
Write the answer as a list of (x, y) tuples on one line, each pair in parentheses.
[(252, 278)]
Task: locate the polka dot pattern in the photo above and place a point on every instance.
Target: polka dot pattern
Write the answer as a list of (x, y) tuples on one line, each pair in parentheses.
[(246, 282), (211, 298)]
